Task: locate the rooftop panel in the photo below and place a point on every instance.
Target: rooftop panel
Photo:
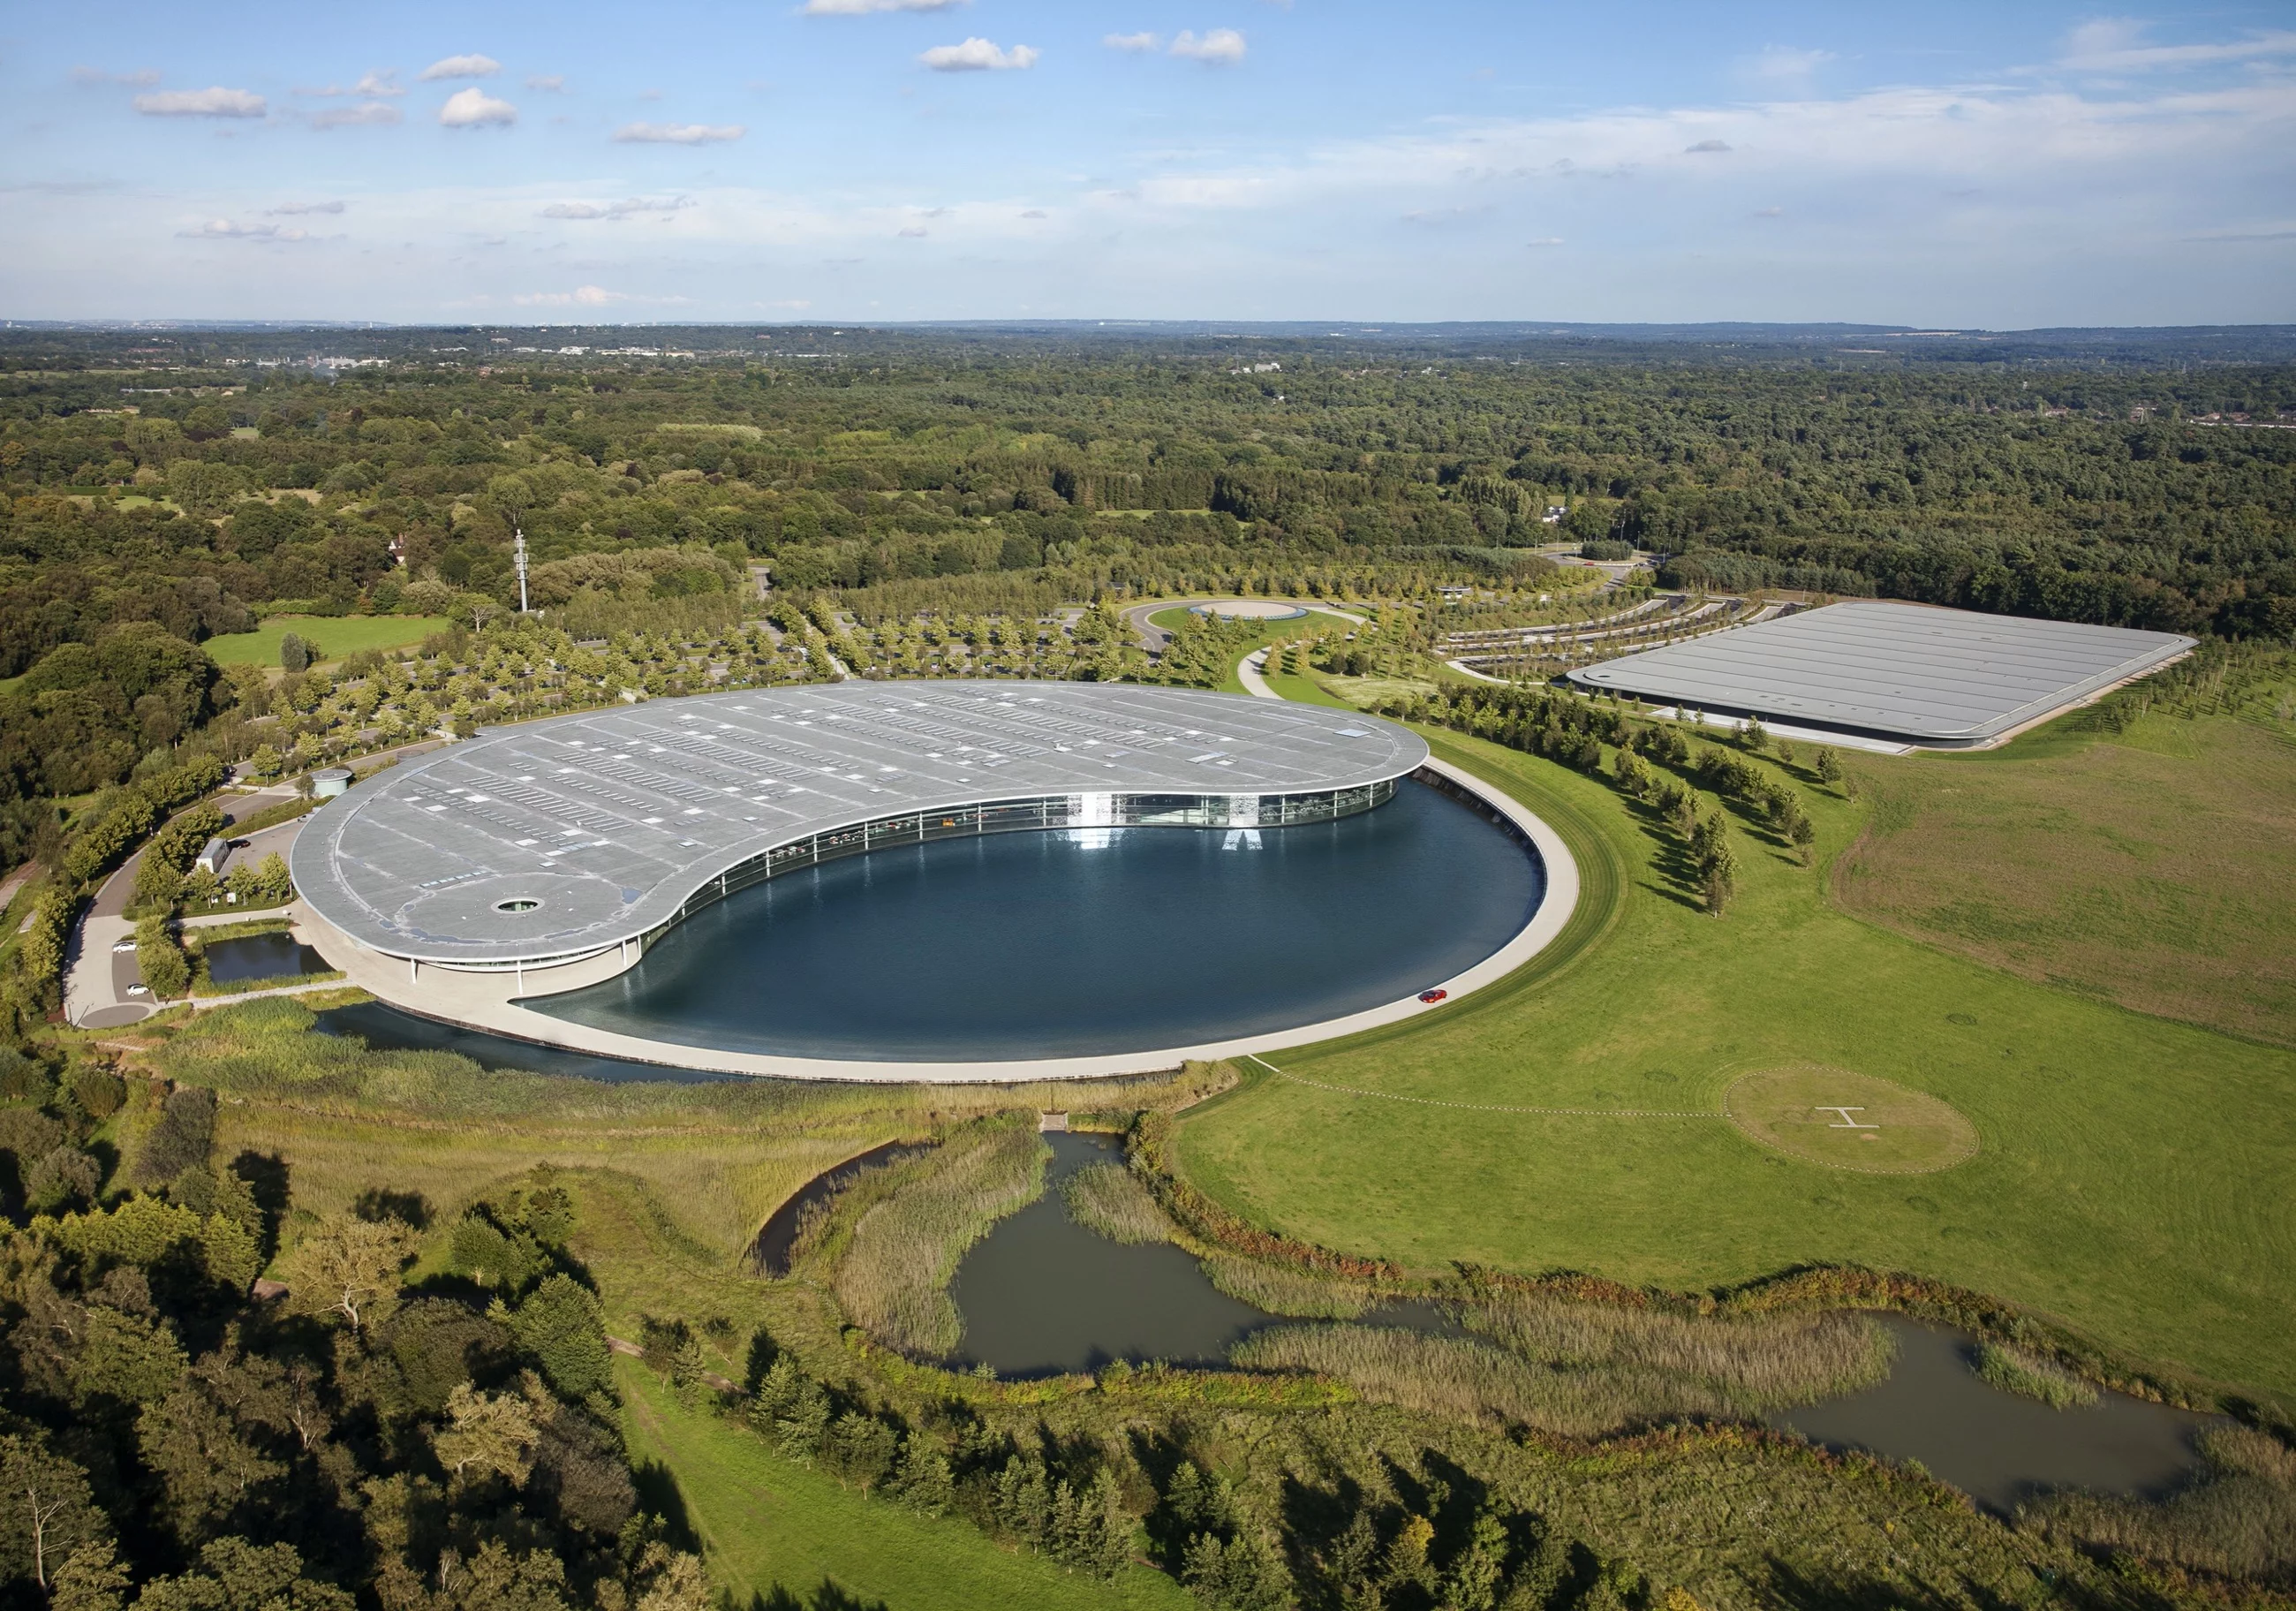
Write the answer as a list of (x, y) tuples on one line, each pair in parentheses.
[(607, 820), (1947, 676)]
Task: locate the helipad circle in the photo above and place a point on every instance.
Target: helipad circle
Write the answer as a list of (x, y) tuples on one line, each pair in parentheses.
[(1843, 1119)]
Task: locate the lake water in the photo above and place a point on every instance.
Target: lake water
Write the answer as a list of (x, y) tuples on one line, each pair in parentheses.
[(1082, 943), (1041, 1294), (1997, 1447), (262, 956)]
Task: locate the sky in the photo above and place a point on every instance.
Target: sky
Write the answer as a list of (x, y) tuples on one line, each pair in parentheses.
[(1946, 165)]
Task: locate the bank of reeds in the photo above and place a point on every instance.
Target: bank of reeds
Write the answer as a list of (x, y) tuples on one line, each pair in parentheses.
[(2030, 1377), (2238, 1521), (1585, 1370), (892, 1278), (1280, 1289), (1463, 1379), (1110, 1199), (1751, 1362)]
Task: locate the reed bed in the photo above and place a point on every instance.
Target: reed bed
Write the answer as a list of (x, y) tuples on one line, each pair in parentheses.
[(1110, 1199), (2238, 1521), (1280, 1289), (2027, 1375), (1752, 1363), (1464, 1379), (892, 1278)]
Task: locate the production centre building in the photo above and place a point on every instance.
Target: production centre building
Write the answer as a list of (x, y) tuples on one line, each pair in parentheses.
[(1904, 674), (562, 840)]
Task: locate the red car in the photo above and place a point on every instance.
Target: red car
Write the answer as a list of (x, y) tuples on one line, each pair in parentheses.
[(1432, 996)]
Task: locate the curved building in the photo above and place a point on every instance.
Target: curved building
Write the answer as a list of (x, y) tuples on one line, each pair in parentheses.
[(579, 839)]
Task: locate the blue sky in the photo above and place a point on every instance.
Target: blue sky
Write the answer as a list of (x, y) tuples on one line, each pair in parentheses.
[(1946, 164)]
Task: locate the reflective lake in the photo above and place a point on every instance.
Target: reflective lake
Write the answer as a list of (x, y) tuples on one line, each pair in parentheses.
[(1080, 942)]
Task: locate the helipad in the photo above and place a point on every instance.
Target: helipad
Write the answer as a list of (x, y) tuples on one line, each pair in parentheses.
[(550, 843)]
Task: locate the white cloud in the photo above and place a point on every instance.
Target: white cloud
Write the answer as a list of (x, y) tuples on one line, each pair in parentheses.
[(225, 229), (585, 296), (296, 210), (380, 114), (474, 108), (678, 134), (1036, 212), (915, 231), (1784, 63), (143, 77), (1220, 47), (548, 83), (1142, 41), (216, 102), (462, 67), (1544, 242), (978, 55), (623, 208), (384, 83), (1704, 146), (867, 8), (2116, 45)]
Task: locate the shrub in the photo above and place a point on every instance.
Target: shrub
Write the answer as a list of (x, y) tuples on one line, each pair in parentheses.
[(2030, 1377)]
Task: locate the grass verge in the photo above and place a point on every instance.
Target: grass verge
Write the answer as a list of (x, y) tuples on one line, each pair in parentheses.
[(337, 635)]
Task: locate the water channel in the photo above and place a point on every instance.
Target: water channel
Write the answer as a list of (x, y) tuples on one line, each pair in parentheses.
[(1042, 1294), (1080, 942)]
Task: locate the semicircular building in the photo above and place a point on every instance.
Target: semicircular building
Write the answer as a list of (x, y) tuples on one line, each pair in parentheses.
[(569, 844)]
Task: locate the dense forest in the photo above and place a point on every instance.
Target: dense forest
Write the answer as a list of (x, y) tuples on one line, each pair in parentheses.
[(167, 486)]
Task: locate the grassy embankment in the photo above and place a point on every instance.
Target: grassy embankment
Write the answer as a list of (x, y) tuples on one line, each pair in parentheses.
[(2131, 1179), (337, 635)]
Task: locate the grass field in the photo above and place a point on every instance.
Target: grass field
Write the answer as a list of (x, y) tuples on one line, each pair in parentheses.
[(2131, 1178), (337, 635), (2156, 867), (766, 1522)]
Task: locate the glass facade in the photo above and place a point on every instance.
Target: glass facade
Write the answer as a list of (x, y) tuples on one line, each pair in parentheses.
[(1038, 813)]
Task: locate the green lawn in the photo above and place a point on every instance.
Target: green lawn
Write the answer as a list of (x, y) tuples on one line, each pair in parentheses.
[(2133, 1179), (337, 635), (765, 1521)]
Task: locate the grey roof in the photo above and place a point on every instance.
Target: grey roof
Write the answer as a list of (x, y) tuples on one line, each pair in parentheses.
[(612, 818), (1945, 677)]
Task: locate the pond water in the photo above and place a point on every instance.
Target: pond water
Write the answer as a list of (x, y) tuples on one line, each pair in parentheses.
[(1997, 1447), (771, 1248), (386, 1029), (262, 956), (1082, 943), (1041, 1294)]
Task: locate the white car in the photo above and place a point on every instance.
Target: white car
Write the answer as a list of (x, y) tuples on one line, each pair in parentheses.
[(138, 989), (123, 945)]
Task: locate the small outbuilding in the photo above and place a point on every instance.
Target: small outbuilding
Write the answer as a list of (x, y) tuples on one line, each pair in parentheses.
[(328, 781), (212, 856)]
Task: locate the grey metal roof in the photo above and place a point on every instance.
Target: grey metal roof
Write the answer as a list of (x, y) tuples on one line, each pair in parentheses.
[(610, 819), (1945, 676)]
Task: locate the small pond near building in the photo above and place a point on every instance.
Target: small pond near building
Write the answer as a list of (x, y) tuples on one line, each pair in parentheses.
[(278, 956)]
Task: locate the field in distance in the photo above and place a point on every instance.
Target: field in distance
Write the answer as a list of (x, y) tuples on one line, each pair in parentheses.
[(337, 635)]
